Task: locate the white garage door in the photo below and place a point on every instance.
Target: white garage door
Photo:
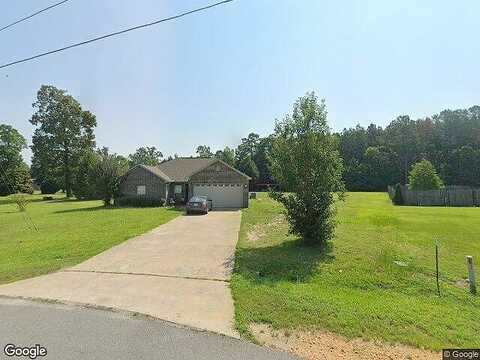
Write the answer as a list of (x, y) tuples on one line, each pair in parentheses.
[(222, 195)]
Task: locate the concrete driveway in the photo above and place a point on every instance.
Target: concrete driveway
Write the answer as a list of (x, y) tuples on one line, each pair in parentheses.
[(178, 272)]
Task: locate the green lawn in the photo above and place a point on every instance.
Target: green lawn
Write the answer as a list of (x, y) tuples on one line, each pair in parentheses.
[(69, 231), (355, 288)]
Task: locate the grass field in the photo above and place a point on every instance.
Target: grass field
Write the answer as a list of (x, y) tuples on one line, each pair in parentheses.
[(355, 288), (69, 231)]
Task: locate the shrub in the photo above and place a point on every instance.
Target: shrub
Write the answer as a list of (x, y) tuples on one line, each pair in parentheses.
[(424, 177), (49, 187), (398, 197), (21, 201), (139, 202), (306, 163), (108, 172), (84, 185)]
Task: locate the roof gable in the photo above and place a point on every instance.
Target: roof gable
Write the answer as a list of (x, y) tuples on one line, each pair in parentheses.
[(226, 165), (157, 172), (181, 169)]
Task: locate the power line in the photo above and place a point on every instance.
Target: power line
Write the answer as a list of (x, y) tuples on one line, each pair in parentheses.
[(32, 15), (116, 33)]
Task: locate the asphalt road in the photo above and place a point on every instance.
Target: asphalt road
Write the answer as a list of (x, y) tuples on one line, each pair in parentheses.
[(70, 332)]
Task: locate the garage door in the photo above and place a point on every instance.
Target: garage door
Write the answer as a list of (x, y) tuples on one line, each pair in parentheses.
[(222, 195)]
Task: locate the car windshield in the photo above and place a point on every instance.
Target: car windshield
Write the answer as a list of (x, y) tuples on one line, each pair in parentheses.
[(197, 199)]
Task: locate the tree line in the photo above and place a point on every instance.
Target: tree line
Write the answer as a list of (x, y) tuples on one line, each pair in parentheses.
[(375, 157), (66, 156)]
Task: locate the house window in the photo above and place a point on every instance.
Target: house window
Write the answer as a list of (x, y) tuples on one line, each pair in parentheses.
[(178, 189), (141, 190)]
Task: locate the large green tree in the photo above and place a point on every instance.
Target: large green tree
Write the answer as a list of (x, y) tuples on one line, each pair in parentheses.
[(307, 164), (14, 173), (84, 186), (204, 151), (262, 160), (148, 155), (108, 171), (63, 133), (402, 136), (227, 155), (248, 166)]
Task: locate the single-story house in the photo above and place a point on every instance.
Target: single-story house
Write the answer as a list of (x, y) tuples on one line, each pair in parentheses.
[(182, 178)]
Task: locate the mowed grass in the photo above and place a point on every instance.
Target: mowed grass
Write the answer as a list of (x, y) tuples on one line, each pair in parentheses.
[(69, 231), (355, 288)]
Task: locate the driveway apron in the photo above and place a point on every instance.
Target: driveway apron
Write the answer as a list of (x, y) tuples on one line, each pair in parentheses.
[(177, 272)]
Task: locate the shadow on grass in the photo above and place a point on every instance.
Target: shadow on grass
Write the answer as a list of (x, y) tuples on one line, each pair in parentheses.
[(64, 199), (7, 201), (288, 261), (101, 207)]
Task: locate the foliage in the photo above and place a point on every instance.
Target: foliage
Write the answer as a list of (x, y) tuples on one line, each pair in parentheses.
[(398, 197), (403, 141), (135, 201), (424, 177), (204, 151), (22, 179), (449, 140), (108, 172), (227, 155), (463, 166), (21, 201), (49, 186), (356, 289), (262, 160), (248, 147), (64, 132), (148, 155), (84, 186), (252, 158), (306, 163), (248, 166), (14, 173), (69, 232)]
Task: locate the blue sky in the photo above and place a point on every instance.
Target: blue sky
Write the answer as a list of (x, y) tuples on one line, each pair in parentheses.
[(212, 78)]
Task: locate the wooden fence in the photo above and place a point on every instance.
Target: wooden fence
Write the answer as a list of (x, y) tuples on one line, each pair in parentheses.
[(448, 196)]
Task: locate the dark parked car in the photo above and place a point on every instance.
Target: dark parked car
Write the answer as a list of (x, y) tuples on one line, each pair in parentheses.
[(198, 204)]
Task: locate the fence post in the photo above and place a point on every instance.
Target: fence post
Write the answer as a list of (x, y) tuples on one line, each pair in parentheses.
[(471, 275)]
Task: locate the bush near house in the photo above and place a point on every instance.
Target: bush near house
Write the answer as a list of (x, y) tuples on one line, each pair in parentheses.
[(138, 202)]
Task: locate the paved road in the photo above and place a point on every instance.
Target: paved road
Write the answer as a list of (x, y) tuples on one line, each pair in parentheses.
[(178, 272), (69, 332)]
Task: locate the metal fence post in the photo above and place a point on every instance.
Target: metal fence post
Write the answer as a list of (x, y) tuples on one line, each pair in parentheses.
[(471, 275)]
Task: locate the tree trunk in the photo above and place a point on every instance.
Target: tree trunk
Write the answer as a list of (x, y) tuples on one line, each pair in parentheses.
[(68, 182)]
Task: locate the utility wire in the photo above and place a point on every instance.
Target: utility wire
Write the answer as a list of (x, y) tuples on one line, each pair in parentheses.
[(116, 33), (32, 15)]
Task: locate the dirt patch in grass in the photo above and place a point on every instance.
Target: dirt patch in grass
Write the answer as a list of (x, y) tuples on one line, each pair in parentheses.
[(324, 345), (260, 230)]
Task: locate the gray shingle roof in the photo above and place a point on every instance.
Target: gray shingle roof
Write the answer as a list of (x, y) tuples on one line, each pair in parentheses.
[(156, 171), (182, 168)]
